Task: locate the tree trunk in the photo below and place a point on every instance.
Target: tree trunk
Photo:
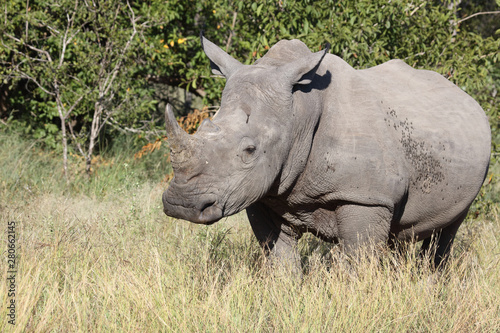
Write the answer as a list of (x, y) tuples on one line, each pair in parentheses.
[(94, 133), (64, 138)]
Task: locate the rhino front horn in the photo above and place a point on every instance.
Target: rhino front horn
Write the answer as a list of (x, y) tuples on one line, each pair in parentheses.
[(183, 147), (175, 134)]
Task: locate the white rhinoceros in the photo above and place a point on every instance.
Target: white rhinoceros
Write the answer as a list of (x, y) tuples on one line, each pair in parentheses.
[(305, 143)]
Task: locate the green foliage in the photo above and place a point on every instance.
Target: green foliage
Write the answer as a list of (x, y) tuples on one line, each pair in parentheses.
[(76, 53), (426, 34)]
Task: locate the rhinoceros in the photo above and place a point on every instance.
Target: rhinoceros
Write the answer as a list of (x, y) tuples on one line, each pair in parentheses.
[(306, 143)]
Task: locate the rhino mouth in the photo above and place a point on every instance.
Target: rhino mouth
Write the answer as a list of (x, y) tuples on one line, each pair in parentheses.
[(207, 211)]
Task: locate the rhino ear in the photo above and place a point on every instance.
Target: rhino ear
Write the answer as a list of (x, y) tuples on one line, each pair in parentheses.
[(221, 62), (302, 71)]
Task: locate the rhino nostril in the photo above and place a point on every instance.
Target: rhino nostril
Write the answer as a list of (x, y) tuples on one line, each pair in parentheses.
[(207, 205), (210, 213)]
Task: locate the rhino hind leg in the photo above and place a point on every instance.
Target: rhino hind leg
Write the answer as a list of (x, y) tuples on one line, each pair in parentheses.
[(278, 240), (438, 245)]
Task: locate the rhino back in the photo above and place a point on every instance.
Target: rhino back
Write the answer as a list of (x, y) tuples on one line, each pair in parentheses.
[(406, 139)]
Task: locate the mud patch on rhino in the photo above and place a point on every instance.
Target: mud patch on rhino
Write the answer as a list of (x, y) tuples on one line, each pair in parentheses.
[(427, 168)]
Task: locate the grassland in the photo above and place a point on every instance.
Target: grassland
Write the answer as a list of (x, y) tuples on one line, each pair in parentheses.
[(100, 256)]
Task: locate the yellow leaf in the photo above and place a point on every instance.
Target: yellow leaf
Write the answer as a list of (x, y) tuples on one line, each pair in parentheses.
[(181, 40), (165, 46), (171, 43)]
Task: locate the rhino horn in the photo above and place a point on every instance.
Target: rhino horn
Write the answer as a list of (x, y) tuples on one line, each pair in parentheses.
[(176, 135), (181, 144), (208, 126)]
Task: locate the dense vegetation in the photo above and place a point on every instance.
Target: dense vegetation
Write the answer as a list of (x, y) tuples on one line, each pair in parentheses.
[(82, 92), (76, 73)]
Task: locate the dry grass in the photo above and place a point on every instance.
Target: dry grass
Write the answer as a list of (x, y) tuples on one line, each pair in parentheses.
[(102, 256), (116, 263)]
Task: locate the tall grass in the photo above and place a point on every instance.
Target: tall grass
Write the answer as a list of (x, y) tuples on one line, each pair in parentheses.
[(110, 260), (28, 169)]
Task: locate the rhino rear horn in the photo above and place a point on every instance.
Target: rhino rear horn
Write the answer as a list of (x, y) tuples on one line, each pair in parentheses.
[(221, 62)]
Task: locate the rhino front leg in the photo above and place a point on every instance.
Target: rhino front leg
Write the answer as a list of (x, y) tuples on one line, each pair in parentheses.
[(362, 226), (278, 240)]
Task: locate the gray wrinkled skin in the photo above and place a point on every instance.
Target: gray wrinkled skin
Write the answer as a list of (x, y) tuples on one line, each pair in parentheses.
[(305, 143)]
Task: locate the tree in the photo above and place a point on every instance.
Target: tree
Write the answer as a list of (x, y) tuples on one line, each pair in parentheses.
[(79, 59), (114, 53)]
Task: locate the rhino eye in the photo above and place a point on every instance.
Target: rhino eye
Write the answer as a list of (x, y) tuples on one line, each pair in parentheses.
[(248, 154), (247, 150), (250, 150)]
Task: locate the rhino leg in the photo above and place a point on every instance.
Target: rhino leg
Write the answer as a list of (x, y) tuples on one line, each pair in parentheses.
[(362, 226), (439, 244), (278, 240)]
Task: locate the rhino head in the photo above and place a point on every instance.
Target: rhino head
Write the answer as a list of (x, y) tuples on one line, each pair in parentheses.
[(244, 153)]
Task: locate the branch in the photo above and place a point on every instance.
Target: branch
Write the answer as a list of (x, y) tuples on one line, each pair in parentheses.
[(124, 129), (66, 41), (415, 55), (27, 6), (30, 46), (53, 31), (73, 106), (109, 113), (417, 8), (104, 122), (109, 80), (24, 55), (23, 75), (477, 14), (78, 145), (231, 32)]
